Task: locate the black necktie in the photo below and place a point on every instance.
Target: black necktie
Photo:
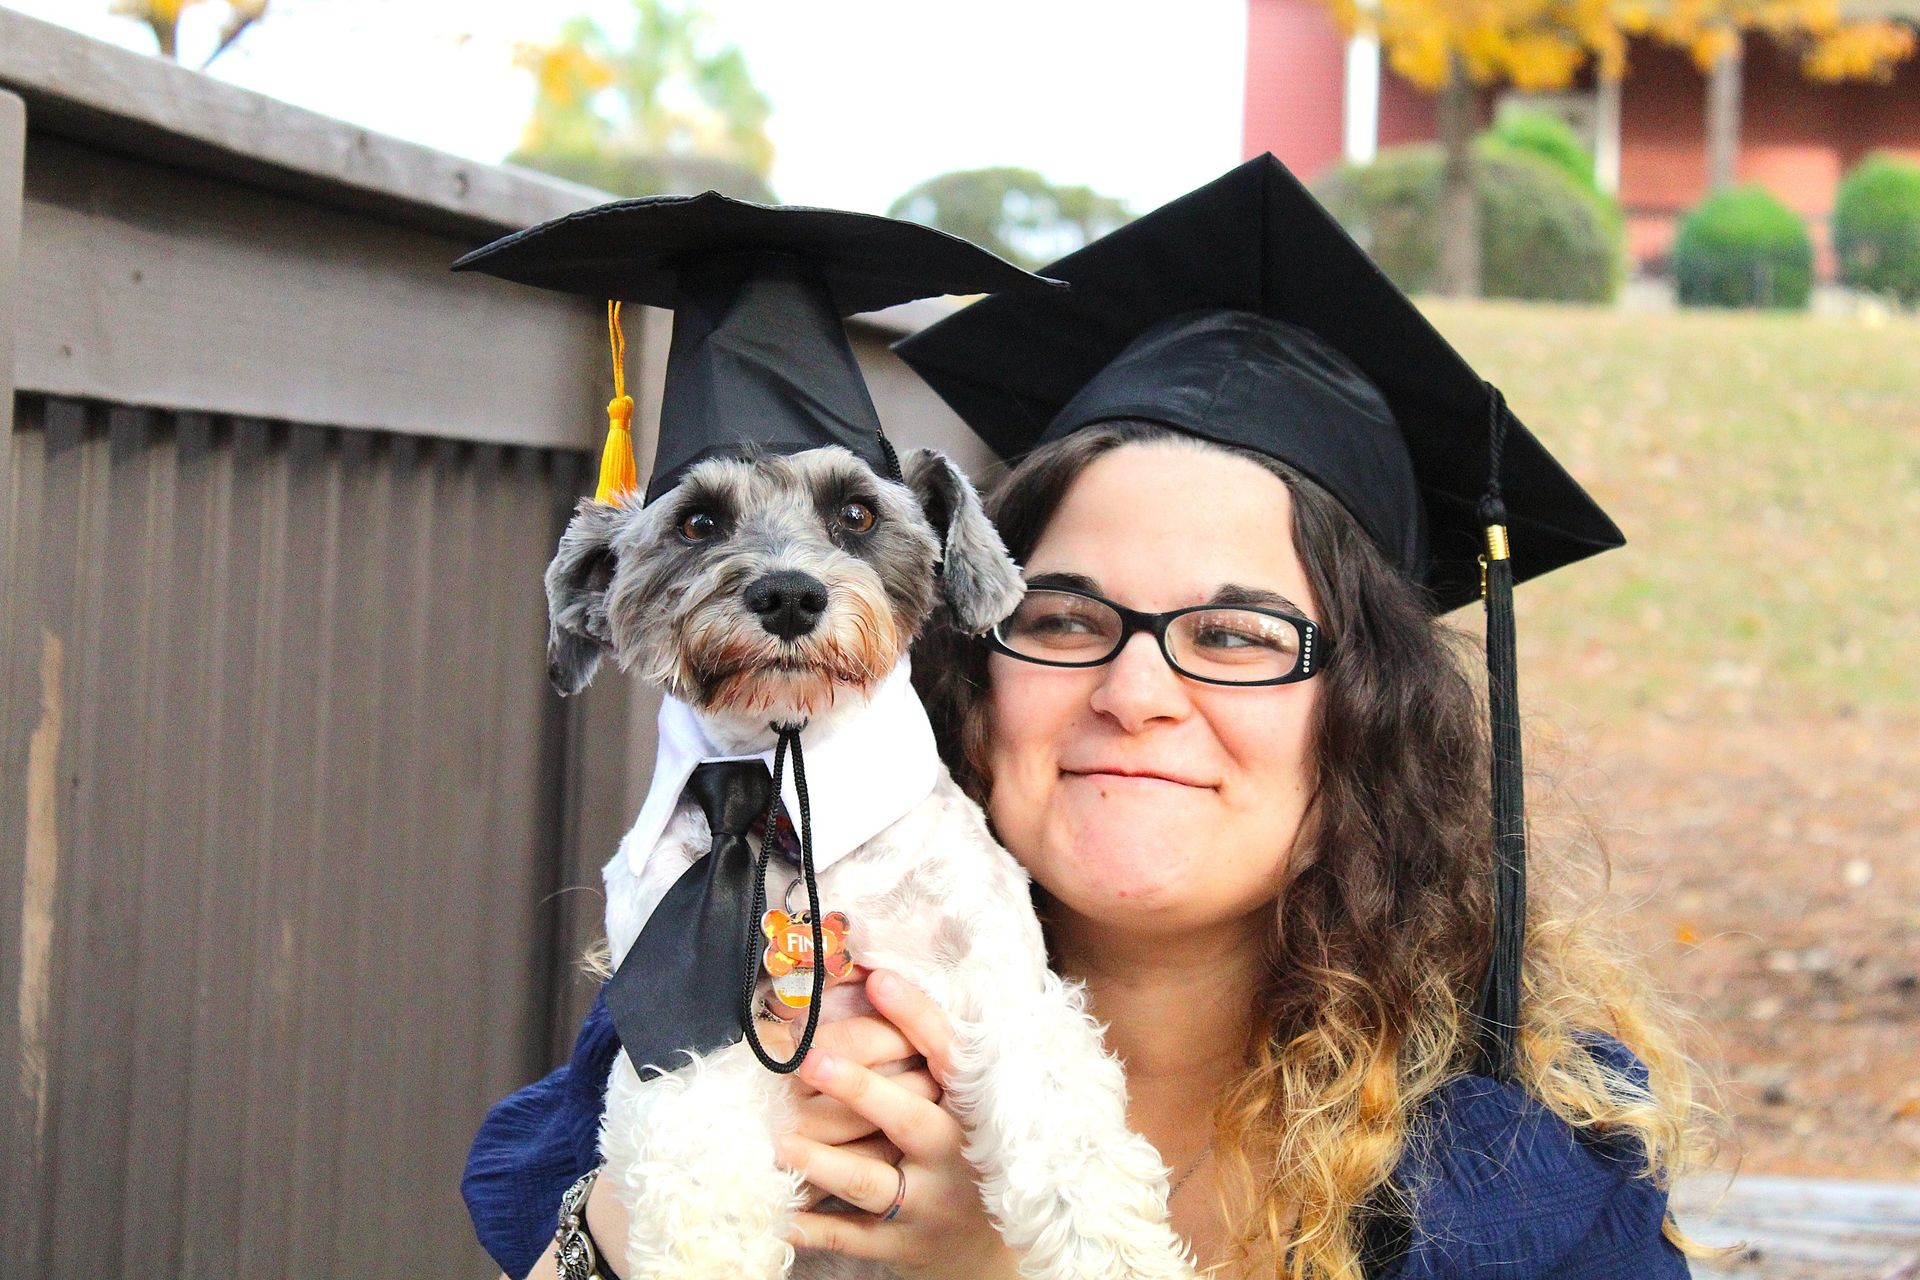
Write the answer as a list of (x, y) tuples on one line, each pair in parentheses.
[(679, 986)]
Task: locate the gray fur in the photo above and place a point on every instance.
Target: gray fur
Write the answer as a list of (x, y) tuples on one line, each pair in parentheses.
[(951, 943), (577, 579), (978, 578), (624, 581)]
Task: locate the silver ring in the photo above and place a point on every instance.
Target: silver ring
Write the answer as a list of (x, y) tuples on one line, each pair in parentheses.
[(899, 1197)]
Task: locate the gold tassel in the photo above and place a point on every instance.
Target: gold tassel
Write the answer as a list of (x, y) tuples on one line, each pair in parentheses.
[(618, 476)]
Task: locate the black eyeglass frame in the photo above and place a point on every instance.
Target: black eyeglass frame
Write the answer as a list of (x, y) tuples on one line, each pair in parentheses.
[(1315, 645)]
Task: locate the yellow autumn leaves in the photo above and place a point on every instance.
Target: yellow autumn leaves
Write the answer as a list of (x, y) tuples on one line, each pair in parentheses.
[(163, 17), (1543, 44)]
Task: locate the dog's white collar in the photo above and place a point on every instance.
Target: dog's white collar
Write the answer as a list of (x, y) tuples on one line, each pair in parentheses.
[(865, 770)]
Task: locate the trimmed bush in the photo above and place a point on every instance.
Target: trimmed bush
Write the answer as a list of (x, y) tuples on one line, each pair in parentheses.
[(1742, 247), (1546, 135), (1876, 228), (1542, 235)]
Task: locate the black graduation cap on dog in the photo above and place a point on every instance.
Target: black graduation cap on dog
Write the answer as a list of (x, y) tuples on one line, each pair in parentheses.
[(1243, 313), (760, 358)]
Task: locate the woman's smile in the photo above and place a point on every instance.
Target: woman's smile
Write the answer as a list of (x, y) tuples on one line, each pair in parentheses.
[(1117, 775)]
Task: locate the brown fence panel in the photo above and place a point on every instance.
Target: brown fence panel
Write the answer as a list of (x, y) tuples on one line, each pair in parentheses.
[(293, 792)]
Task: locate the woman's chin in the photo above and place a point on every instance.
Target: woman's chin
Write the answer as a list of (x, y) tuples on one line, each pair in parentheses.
[(1154, 811), (1131, 860)]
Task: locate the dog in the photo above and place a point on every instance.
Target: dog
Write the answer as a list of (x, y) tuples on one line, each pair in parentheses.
[(784, 589)]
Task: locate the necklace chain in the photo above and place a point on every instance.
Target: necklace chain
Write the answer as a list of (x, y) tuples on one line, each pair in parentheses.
[(1193, 1167)]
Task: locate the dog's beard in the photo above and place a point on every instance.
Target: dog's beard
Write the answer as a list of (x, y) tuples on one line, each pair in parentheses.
[(726, 663)]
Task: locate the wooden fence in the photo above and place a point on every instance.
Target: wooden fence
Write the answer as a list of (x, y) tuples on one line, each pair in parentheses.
[(305, 846)]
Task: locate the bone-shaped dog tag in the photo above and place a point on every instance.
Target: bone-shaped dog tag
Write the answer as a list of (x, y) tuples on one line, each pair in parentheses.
[(789, 954)]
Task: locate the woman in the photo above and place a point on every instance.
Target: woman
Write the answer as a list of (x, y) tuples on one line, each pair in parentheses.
[(1276, 890)]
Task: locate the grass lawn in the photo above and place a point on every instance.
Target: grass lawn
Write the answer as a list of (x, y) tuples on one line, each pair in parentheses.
[(1766, 472), (1737, 691)]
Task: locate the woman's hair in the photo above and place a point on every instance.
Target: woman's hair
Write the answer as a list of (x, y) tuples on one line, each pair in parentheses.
[(1382, 928)]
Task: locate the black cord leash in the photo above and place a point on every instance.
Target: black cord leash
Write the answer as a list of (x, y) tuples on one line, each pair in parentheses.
[(788, 736)]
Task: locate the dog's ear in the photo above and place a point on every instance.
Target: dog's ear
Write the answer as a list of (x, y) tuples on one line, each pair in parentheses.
[(978, 578), (577, 579)]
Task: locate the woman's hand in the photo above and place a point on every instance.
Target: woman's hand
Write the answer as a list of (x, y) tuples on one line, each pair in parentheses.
[(858, 1125), (868, 1040)]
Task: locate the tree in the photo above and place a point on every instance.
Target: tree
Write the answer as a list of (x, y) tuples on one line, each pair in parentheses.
[(1453, 48), (665, 109), (1016, 213), (163, 18)]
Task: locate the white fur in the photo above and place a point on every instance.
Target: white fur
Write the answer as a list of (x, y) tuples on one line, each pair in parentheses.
[(1044, 1105)]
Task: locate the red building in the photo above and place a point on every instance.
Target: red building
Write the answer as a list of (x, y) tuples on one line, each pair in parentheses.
[(1315, 97)]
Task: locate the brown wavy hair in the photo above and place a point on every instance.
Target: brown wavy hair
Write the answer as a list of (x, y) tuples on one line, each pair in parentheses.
[(1382, 929)]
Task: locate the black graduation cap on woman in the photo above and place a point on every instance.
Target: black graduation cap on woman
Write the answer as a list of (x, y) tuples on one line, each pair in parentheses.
[(1243, 313), (759, 363)]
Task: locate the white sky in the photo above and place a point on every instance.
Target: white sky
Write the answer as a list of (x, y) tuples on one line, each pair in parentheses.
[(1139, 99)]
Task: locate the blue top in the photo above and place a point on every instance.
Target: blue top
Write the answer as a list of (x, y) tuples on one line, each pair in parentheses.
[(1503, 1189)]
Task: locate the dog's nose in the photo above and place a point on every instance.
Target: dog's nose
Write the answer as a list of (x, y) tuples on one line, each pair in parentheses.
[(789, 603)]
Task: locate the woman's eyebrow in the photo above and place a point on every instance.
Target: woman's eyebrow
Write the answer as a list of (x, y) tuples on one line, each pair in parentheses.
[(1071, 581), (1234, 593), (1229, 593)]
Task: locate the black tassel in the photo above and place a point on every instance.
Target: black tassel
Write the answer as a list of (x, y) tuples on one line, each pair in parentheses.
[(789, 736), (1498, 1012), (893, 460)]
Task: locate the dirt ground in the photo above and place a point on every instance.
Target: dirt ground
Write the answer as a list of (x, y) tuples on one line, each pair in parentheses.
[(1771, 866)]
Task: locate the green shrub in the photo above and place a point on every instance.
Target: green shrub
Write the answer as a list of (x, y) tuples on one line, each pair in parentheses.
[(1876, 228), (1546, 135), (1742, 247), (1542, 235)]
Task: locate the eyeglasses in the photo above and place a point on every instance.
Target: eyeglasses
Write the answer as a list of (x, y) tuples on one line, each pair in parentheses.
[(1216, 644)]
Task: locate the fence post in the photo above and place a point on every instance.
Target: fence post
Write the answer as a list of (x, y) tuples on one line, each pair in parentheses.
[(22, 1158), (13, 154)]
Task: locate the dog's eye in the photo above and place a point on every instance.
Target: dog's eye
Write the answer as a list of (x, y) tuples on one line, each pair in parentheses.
[(698, 526), (856, 517)]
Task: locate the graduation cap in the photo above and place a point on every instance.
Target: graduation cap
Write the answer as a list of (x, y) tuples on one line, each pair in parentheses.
[(1243, 313), (759, 358)]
